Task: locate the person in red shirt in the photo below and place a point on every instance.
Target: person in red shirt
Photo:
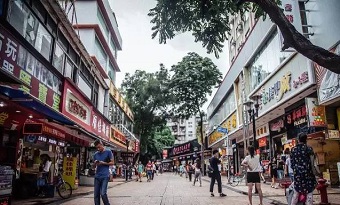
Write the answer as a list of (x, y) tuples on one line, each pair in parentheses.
[(149, 170)]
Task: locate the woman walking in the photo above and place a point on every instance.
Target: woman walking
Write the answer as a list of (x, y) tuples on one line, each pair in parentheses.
[(273, 171), (252, 163), (197, 169), (190, 170)]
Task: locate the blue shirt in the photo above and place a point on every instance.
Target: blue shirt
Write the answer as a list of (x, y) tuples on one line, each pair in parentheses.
[(103, 170)]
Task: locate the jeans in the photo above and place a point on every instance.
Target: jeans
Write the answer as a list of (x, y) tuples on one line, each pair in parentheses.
[(216, 176), (280, 174), (149, 173), (198, 175), (291, 176), (100, 190)]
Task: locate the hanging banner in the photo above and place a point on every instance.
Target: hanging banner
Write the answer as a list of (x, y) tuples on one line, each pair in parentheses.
[(316, 113), (70, 171)]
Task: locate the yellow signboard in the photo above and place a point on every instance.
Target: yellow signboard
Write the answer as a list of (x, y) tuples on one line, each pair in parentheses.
[(230, 123), (70, 171), (120, 100)]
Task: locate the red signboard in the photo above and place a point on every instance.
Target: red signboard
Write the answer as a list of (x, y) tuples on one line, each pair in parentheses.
[(119, 137), (263, 142), (181, 149), (165, 153), (21, 64), (100, 126), (49, 130), (136, 146)]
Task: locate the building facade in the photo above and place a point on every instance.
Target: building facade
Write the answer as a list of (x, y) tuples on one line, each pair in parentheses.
[(54, 96), (183, 130), (294, 94)]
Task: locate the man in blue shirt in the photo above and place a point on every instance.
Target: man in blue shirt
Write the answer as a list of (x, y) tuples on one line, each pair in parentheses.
[(103, 159)]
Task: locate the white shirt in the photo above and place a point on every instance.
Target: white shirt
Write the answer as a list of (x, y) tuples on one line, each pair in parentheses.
[(289, 164), (253, 163), (47, 166)]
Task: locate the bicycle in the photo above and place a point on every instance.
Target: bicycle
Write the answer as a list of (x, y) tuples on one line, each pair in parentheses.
[(235, 179), (64, 188)]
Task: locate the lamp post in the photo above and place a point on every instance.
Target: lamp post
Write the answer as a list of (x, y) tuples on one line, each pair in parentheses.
[(253, 108)]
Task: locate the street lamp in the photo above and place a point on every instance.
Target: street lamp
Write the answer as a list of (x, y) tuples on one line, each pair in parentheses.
[(253, 108)]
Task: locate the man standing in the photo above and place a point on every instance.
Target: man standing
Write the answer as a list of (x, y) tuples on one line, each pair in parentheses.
[(103, 159), (216, 175), (302, 158)]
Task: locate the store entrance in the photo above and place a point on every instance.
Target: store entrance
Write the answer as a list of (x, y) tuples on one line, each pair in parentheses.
[(277, 145)]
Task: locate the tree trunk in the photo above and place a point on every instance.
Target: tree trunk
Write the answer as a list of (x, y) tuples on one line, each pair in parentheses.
[(294, 39)]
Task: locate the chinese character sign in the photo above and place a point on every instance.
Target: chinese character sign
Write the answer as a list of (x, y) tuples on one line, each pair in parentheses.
[(21, 64), (70, 171), (316, 113)]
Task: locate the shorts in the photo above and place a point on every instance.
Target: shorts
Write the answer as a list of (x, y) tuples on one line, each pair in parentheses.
[(273, 173), (253, 177)]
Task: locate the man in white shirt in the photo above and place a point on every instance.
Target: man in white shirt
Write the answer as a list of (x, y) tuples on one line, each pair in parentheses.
[(288, 168)]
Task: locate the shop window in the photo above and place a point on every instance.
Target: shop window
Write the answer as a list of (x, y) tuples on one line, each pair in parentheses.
[(58, 58), (25, 22)]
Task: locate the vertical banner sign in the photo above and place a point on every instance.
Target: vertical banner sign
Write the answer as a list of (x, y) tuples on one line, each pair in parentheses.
[(316, 113), (291, 10), (70, 171), (165, 153)]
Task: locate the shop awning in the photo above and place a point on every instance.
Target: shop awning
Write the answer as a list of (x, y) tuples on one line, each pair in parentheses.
[(30, 102)]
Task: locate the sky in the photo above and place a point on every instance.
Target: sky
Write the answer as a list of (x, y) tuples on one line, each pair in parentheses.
[(141, 52)]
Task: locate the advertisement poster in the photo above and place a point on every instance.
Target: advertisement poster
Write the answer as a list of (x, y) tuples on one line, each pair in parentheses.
[(70, 171), (316, 113)]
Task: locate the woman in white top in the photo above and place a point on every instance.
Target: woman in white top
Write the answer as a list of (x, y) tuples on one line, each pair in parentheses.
[(252, 163)]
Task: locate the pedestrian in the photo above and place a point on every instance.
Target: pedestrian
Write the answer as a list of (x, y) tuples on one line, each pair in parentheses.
[(262, 173), (181, 168), (190, 170), (288, 166), (149, 171), (216, 175), (302, 162), (198, 173), (153, 170), (140, 169), (174, 169), (252, 163), (103, 159), (273, 171), (280, 166)]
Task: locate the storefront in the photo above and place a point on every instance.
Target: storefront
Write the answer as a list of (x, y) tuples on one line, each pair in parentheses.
[(185, 153), (277, 132)]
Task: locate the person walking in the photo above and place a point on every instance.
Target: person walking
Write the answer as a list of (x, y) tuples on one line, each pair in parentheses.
[(153, 170), (288, 166), (302, 162), (280, 167), (103, 159), (216, 175), (190, 170), (198, 173), (273, 171), (252, 163), (140, 169), (149, 171)]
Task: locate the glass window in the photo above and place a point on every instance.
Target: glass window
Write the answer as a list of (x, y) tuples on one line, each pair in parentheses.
[(266, 60), (100, 54), (95, 94), (23, 20), (84, 86), (68, 69), (58, 58), (113, 48), (112, 73), (102, 24)]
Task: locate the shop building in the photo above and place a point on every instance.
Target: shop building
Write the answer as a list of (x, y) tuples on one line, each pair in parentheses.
[(184, 153), (287, 81), (45, 107)]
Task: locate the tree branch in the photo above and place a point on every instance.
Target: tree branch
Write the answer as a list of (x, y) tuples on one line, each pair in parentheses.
[(294, 39)]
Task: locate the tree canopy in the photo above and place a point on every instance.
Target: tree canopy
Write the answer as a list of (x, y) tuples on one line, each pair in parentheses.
[(193, 79), (209, 22)]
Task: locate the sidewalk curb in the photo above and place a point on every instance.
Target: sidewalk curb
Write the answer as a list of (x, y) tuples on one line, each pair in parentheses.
[(75, 196), (271, 201)]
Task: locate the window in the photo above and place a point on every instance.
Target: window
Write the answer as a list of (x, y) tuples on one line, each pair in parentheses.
[(102, 24), (190, 126), (58, 58), (68, 69), (189, 123), (113, 48), (100, 54), (266, 60), (190, 132), (24, 21), (84, 86), (112, 73), (94, 98)]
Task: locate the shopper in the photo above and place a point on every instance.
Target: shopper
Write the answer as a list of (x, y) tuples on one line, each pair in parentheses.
[(216, 175), (252, 163), (273, 171), (198, 173), (153, 170), (149, 171), (140, 170), (288, 168), (280, 167), (190, 170), (103, 159), (302, 162)]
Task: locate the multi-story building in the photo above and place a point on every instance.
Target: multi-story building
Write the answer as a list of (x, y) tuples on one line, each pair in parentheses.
[(98, 31), (291, 87), (184, 130), (54, 97)]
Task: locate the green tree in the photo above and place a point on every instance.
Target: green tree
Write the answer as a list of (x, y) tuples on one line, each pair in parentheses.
[(149, 98), (208, 20), (163, 138), (193, 79)]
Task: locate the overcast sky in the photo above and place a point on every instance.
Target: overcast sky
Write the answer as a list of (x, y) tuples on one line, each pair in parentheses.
[(143, 53)]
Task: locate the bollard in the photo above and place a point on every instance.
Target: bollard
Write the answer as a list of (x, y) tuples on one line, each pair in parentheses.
[(322, 188)]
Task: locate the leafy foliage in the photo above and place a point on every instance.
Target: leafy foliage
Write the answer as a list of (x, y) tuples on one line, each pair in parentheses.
[(207, 20), (194, 78), (149, 98)]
